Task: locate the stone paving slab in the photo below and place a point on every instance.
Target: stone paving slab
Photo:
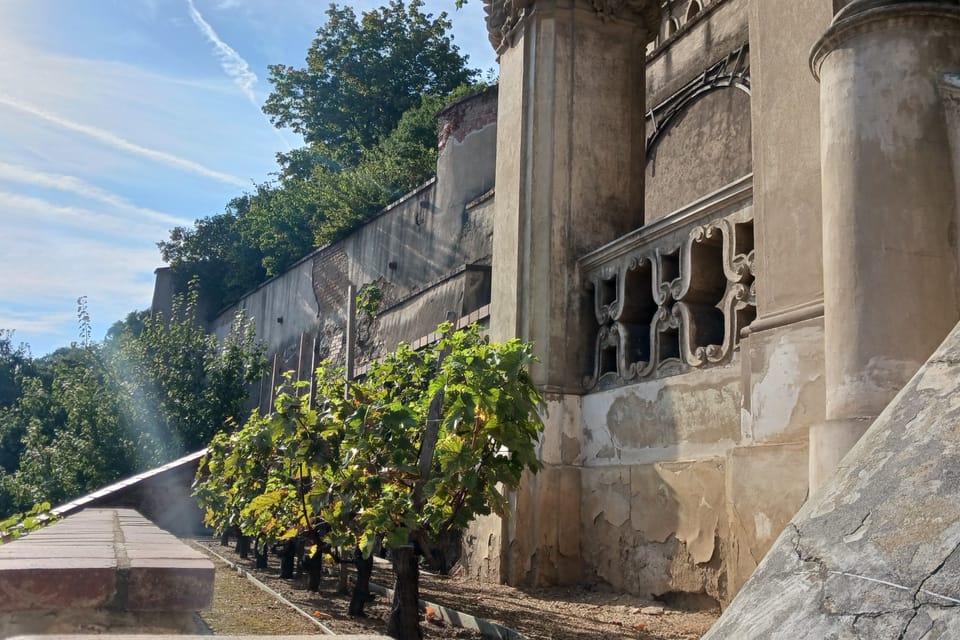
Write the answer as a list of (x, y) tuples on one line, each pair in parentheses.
[(187, 637), (104, 559)]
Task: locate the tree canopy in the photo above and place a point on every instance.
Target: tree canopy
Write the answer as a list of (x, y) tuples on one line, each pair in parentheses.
[(91, 413), (365, 104), (361, 75)]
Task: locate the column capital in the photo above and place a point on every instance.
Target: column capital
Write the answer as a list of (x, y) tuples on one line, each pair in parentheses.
[(863, 16), (505, 17)]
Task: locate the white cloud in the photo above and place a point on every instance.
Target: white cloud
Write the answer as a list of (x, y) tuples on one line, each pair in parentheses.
[(121, 144), (38, 210), (44, 323), (232, 62), (46, 265), (76, 186)]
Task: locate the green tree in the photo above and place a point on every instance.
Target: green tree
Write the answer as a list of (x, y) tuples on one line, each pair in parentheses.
[(362, 75), (422, 444), (434, 438), (76, 438), (278, 221), (217, 254), (15, 363), (89, 414), (132, 326), (365, 103), (400, 162), (183, 383)]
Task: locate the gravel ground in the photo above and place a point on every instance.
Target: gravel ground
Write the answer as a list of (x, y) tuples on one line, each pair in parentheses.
[(564, 613)]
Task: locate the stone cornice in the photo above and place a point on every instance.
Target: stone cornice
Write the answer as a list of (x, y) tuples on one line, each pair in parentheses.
[(865, 16), (736, 192), (504, 17)]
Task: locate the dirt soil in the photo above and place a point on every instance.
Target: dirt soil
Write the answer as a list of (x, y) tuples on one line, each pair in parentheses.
[(563, 613)]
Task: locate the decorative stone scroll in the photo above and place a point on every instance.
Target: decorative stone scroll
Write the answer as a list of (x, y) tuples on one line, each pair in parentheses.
[(504, 16), (679, 300)]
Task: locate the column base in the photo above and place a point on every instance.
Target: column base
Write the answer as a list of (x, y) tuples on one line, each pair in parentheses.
[(829, 443)]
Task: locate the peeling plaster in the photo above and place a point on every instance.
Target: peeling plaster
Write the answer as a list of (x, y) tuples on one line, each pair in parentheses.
[(875, 553), (871, 388), (787, 392), (762, 526)]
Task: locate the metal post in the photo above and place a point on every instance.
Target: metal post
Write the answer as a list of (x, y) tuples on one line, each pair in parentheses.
[(351, 335)]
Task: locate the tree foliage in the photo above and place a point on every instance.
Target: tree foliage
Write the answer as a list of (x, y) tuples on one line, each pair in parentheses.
[(20, 524), (365, 103), (14, 362), (92, 413), (362, 74), (75, 436), (184, 383), (365, 462)]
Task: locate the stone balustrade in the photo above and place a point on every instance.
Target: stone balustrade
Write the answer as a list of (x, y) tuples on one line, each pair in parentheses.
[(102, 570), (676, 293)]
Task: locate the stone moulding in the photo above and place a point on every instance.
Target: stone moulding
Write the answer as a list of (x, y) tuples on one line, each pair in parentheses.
[(732, 71), (505, 17), (865, 16), (676, 292)]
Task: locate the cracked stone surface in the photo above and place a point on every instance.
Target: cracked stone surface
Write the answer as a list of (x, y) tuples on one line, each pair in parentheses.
[(875, 553)]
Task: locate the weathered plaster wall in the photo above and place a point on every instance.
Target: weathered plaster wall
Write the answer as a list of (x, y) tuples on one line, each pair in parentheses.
[(655, 529), (569, 179), (654, 517), (543, 533), (465, 291), (720, 30), (704, 148), (687, 480), (786, 151), (691, 415), (950, 92), (289, 297), (767, 473), (875, 552), (784, 375)]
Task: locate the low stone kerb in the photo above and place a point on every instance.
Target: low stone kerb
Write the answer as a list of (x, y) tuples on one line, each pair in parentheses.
[(112, 559)]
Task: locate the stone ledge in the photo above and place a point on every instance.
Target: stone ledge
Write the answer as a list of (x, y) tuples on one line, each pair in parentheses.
[(182, 637), (108, 562)]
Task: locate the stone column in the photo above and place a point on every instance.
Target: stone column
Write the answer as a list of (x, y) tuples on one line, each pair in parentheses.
[(570, 167), (950, 91), (889, 236)]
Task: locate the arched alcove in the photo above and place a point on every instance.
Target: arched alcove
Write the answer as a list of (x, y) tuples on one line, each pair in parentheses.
[(672, 26), (704, 146)]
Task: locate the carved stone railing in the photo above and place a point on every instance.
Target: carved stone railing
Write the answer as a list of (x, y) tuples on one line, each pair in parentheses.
[(676, 293)]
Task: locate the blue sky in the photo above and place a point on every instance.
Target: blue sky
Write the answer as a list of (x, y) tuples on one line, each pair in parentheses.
[(120, 119)]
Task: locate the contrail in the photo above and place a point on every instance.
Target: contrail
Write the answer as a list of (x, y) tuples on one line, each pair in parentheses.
[(122, 144), (76, 186), (232, 62)]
